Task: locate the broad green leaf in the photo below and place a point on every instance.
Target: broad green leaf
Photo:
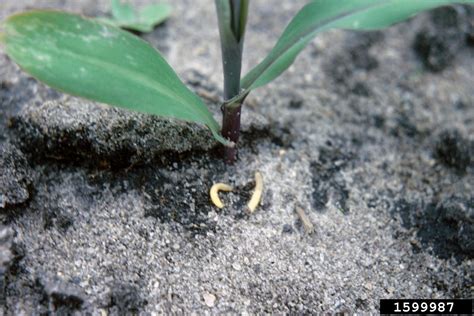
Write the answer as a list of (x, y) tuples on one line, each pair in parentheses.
[(100, 62), (322, 15), (144, 20)]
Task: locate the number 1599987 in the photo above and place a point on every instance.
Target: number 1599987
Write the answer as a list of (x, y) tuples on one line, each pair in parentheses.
[(412, 306)]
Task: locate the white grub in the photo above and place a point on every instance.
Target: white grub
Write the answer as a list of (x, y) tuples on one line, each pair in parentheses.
[(214, 192), (257, 193)]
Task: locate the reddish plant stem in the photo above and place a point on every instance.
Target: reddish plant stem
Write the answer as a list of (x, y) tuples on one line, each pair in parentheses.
[(231, 130)]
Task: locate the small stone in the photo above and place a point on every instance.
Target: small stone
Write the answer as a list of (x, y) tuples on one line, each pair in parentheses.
[(246, 261), (209, 299), (287, 229), (296, 102), (103, 312), (176, 246), (236, 266)]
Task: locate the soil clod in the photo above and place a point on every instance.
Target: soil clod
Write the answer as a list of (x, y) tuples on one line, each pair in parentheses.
[(454, 150), (15, 177)]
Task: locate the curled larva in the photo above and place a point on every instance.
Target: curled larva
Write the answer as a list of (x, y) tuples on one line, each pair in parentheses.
[(257, 193), (214, 192)]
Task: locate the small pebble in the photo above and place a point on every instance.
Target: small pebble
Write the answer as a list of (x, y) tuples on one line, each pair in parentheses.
[(176, 247), (209, 299), (236, 267), (369, 286)]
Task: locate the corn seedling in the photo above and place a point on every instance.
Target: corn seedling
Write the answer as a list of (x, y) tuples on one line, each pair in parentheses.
[(97, 61)]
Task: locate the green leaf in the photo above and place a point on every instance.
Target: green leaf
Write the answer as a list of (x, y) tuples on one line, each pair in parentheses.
[(143, 20), (322, 15), (154, 14), (100, 62), (123, 11)]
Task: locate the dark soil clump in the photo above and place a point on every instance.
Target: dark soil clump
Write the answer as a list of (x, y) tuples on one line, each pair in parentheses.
[(454, 150), (438, 43)]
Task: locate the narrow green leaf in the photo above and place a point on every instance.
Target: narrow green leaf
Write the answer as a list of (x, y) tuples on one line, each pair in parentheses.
[(144, 20), (100, 62), (321, 15), (123, 11), (154, 14)]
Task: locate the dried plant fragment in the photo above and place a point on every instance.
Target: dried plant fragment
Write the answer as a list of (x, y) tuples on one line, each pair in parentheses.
[(308, 226)]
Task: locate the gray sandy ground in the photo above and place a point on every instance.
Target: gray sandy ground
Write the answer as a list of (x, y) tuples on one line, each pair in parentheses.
[(374, 141)]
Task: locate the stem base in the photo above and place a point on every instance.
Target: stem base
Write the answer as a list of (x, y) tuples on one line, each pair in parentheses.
[(231, 130)]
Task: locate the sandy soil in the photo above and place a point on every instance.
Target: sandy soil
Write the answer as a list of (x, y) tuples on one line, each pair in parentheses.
[(372, 135)]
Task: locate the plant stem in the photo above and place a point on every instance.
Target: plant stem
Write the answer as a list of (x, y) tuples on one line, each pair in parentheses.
[(231, 130), (232, 17)]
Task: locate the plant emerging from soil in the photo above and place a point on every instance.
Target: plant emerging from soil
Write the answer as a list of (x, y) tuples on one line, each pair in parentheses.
[(98, 61)]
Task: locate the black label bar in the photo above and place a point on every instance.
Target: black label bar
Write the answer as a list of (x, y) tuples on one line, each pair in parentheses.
[(428, 306)]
